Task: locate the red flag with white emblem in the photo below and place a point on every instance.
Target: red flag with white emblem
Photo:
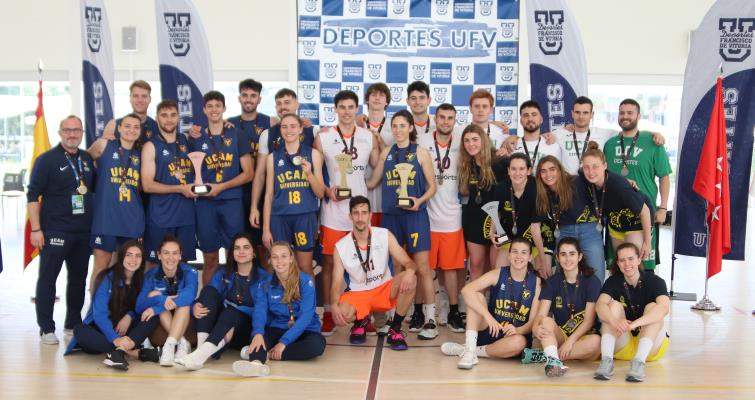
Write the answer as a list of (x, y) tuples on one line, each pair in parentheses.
[(712, 184)]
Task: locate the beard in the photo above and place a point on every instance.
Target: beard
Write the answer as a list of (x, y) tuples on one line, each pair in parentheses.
[(532, 129), (632, 124), (166, 130)]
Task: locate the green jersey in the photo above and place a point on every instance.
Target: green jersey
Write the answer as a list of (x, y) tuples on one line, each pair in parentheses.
[(646, 161)]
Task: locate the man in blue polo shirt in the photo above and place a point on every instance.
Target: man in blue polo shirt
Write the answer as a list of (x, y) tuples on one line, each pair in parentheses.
[(60, 215)]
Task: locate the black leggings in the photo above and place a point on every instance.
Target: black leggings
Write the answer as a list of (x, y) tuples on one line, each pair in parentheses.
[(92, 341), (220, 319), (308, 346)]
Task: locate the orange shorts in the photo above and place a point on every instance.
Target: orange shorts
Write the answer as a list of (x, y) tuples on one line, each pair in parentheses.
[(329, 238), (365, 301), (376, 218), (447, 250)]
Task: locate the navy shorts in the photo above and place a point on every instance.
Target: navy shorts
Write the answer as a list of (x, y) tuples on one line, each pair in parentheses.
[(154, 234), (484, 338), (107, 243), (298, 230), (411, 229), (217, 222)]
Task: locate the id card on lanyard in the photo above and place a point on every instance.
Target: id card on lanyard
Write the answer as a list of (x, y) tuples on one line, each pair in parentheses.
[(77, 204)]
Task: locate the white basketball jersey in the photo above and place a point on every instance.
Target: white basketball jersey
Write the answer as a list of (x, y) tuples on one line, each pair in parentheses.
[(569, 154), (543, 150), (335, 214), (375, 195), (444, 207), (377, 272)]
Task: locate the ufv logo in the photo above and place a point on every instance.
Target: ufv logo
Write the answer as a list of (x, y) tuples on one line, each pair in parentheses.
[(634, 154), (550, 31), (93, 16), (441, 6), (462, 73), (735, 41), (399, 6), (178, 32), (397, 93), (440, 94), (507, 29), (329, 114), (331, 69), (418, 72), (310, 5), (462, 117), (486, 7), (309, 91), (506, 116), (308, 47), (699, 239), (355, 6), (373, 70), (506, 72)]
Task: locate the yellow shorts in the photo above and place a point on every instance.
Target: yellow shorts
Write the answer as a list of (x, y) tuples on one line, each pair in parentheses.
[(629, 351), (619, 235)]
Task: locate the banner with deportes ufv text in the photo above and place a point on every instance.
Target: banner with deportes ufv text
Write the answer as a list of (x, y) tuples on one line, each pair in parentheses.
[(456, 46), (97, 54), (558, 68), (723, 39), (185, 64)]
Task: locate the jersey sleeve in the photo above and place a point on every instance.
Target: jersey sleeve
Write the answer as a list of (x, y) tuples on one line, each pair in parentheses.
[(661, 162), (632, 199), (612, 286), (39, 179), (658, 287)]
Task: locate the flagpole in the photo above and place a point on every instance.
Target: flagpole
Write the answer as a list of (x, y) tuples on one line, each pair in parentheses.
[(706, 304)]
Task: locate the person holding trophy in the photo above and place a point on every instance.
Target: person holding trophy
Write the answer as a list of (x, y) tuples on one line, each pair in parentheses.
[(408, 185), (348, 150), (294, 185), (167, 176), (222, 164)]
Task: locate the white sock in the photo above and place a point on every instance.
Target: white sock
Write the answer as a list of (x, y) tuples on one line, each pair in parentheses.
[(326, 307), (429, 311), (201, 338), (551, 351), (643, 349), (170, 341), (607, 345), (203, 352), (471, 339), (481, 352)]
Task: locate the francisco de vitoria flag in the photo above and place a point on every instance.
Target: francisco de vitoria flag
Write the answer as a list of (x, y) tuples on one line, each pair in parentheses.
[(97, 53), (558, 69), (185, 65), (724, 38)]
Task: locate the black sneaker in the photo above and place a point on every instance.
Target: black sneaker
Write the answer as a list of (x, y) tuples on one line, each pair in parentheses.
[(149, 354), (359, 331), (455, 322), (116, 359), (397, 340), (417, 321)]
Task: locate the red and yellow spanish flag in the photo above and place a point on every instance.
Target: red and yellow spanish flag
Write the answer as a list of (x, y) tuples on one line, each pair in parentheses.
[(41, 145)]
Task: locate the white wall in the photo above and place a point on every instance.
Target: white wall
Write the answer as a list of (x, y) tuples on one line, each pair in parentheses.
[(627, 41)]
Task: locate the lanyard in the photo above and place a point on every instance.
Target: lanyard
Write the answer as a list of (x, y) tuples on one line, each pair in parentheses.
[(396, 149), (254, 123), (625, 154), (215, 148), (348, 148), (445, 162), (474, 183), (534, 155), (554, 209), (571, 300), (239, 288), (78, 174), (426, 125), (176, 152), (379, 127), (291, 314), (124, 171), (517, 303), (291, 157), (514, 216), (634, 307), (594, 198), (364, 262), (584, 145)]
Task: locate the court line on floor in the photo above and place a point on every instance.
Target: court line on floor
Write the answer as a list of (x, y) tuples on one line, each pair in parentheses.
[(377, 359)]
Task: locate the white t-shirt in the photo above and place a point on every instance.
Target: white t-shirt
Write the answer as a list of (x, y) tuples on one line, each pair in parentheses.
[(262, 149), (543, 149), (375, 195), (565, 139), (444, 207), (378, 272), (496, 135), (335, 214)]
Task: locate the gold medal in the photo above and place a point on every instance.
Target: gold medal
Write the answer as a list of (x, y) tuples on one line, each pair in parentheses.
[(624, 171), (82, 189), (123, 189)]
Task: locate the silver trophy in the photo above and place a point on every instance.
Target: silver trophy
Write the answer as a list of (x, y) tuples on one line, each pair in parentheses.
[(491, 209)]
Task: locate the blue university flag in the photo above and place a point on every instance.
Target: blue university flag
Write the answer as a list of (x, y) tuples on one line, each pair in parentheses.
[(723, 41), (185, 66), (558, 70), (97, 53)]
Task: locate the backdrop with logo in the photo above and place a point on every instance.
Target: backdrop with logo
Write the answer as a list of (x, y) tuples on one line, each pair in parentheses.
[(724, 38), (97, 68), (185, 66), (558, 68), (456, 46)]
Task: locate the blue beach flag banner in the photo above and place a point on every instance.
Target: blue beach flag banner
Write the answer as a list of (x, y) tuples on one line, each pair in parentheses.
[(724, 40), (97, 54), (558, 68), (456, 46), (184, 53)]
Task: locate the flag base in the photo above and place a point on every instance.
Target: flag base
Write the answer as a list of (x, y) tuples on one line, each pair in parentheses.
[(705, 304), (681, 296)]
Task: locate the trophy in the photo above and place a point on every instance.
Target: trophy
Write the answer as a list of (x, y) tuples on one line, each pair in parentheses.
[(492, 210), (403, 200), (199, 188), (344, 167)]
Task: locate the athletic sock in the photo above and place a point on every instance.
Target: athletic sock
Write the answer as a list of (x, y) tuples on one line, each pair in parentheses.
[(326, 307), (481, 352), (397, 321), (170, 341), (201, 338), (607, 345), (643, 349), (417, 308), (471, 339), (203, 352), (454, 308), (551, 351), (429, 310)]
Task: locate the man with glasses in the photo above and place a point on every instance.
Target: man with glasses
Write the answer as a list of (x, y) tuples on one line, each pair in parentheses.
[(60, 216)]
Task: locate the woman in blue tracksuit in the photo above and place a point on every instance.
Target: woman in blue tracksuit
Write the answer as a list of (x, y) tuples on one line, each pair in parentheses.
[(223, 311), (168, 293), (111, 326), (285, 325)]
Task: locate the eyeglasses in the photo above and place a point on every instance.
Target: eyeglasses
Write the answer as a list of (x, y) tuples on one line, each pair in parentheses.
[(71, 130)]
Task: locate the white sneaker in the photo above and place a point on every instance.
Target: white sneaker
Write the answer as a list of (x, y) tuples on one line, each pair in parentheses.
[(244, 353), (188, 362), (467, 360), (49, 338), (68, 332), (429, 331), (183, 348), (452, 348), (168, 355), (250, 368), (147, 344)]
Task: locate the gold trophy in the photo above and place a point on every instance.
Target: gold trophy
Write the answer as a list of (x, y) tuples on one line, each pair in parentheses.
[(199, 188), (404, 170), (344, 167)]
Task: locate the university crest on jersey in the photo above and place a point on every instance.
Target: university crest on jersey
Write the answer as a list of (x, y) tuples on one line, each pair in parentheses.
[(227, 142)]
